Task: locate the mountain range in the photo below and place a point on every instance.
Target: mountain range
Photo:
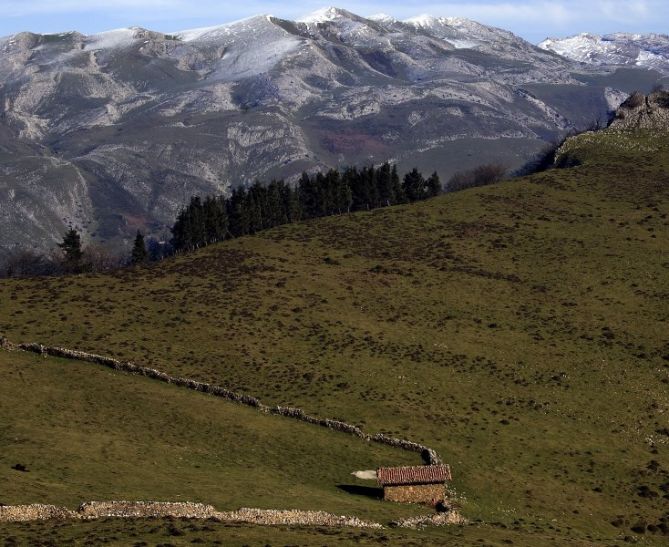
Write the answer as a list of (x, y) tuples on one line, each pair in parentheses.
[(643, 50), (114, 132)]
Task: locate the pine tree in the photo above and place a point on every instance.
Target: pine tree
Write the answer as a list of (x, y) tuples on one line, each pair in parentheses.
[(71, 247), (253, 209), (385, 185), (414, 185), (398, 192), (180, 232), (291, 203), (308, 197), (215, 219), (198, 228), (139, 253), (433, 185), (277, 213)]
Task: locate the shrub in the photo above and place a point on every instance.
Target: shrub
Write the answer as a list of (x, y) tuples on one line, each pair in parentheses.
[(25, 263)]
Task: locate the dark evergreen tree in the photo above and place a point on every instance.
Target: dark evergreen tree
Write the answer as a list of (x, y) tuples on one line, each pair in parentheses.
[(237, 213), (198, 225), (385, 186), (309, 199), (343, 195), (276, 211), (253, 206), (433, 185), (139, 253), (72, 251), (398, 192), (414, 186), (215, 219), (291, 203)]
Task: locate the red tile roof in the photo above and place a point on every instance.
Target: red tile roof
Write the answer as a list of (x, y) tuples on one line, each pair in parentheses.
[(424, 474)]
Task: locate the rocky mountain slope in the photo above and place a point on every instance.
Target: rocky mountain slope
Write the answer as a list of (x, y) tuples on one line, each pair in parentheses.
[(115, 131), (645, 50)]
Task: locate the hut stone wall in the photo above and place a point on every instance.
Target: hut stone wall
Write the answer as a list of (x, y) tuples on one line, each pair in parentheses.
[(415, 493)]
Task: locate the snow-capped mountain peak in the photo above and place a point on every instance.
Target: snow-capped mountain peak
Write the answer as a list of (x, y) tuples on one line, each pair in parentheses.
[(325, 15), (209, 33), (423, 20), (645, 50), (382, 18)]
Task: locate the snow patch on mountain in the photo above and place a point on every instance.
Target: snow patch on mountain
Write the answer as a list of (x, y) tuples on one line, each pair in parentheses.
[(118, 38), (463, 44)]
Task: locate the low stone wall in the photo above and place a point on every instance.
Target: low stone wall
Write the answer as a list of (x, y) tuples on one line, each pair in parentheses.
[(29, 513), (440, 519), (183, 510), (429, 455), (145, 509), (270, 517)]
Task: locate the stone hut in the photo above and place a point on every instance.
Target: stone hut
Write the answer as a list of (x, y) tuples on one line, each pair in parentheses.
[(421, 484)]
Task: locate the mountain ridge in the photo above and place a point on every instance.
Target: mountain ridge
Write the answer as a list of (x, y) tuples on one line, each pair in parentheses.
[(620, 48), (121, 128)]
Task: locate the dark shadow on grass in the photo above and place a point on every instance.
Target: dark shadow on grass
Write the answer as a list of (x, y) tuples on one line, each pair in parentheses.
[(368, 491)]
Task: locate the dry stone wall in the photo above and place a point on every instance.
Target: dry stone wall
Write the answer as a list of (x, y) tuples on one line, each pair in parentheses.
[(271, 517), (429, 455), (29, 513), (143, 509), (183, 510), (450, 518)]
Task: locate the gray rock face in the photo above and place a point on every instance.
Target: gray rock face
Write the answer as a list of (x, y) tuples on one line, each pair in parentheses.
[(114, 132), (641, 112)]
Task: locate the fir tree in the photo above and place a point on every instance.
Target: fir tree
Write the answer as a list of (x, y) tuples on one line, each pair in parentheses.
[(414, 185), (291, 203), (215, 219), (308, 196), (139, 253), (398, 192), (71, 247), (433, 185), (385, 185)]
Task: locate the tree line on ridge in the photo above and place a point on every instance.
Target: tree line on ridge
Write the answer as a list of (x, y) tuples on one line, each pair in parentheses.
[(261, 206)]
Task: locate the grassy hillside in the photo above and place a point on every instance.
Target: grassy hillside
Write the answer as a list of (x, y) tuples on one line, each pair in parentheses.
[(87, 433), (519, 329)]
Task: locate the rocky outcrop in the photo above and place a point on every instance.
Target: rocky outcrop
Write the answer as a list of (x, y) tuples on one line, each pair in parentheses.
[(643, 112), (429, 455)]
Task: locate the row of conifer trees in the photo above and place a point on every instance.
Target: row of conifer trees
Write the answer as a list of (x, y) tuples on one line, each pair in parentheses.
[(258, 207)]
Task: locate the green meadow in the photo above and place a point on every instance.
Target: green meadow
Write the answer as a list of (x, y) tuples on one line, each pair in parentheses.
[(520, 329)]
